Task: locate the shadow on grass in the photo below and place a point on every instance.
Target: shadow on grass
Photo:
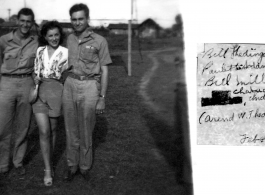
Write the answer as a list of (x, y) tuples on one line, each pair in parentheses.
[(118, 61), (183, 130), (33, 142), (100, 132), (60, 143), (173, 142)]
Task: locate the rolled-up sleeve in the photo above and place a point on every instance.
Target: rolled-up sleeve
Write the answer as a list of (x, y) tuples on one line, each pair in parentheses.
[(104, 56)]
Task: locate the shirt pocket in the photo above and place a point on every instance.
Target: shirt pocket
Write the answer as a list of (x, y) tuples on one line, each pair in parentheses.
[(31, 59), (10, 60), (89, 55), (10, 56)]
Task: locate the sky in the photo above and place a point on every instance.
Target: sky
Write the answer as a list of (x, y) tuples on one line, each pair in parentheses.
[(102, 12)]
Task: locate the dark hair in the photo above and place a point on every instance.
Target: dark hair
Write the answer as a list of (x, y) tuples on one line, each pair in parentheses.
[(79, 7), (49, 26), (26, 12)]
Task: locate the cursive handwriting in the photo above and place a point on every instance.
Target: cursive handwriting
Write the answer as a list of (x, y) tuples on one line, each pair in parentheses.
[(224, 68), (246, 53), (259, 114), (210, 53), (207, 66), (242, 90), (247, 66), (248, 139), (251, 114), (223, 82), (253, 79), (244, 115), (229, 68), (254, 97), (206, 118)]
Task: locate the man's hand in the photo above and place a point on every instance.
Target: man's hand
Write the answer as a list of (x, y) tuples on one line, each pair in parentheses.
[(100, 107), (37, 80)]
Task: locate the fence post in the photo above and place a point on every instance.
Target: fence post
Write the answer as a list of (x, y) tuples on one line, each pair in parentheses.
[(130, 47)]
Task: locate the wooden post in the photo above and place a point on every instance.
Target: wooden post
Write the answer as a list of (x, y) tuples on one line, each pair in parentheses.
[(9, 14), (130, 48), (130, 42)]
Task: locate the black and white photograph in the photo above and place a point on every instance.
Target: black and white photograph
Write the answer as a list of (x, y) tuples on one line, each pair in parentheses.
[(94, 98)]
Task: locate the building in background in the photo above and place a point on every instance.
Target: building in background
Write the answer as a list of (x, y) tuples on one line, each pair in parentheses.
[(67, 27), (122, 29), (149, 29)]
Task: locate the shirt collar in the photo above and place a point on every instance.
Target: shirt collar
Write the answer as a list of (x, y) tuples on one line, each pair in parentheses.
[(88, 33), (12, 34)]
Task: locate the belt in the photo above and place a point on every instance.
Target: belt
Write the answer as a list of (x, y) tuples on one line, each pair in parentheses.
[(80, 78), (16, 75)]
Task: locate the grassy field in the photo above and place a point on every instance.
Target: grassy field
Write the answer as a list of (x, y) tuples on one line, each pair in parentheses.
[(136, 151)]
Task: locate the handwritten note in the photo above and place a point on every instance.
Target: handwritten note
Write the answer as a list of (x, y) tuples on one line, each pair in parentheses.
[(231, 94)]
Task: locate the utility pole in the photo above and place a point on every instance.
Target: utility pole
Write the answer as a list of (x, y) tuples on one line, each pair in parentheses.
[(130, 42), (9, 14), (25, 5)]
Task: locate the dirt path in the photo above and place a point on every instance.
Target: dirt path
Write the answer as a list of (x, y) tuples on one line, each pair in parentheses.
[(148, 75), (163, 88), (162, 61)]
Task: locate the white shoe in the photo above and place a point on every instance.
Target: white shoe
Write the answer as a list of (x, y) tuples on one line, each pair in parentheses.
[(47, 179)]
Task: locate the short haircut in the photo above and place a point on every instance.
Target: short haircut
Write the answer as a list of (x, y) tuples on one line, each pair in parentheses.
[(49, 26), (26, 12), (79, 7)]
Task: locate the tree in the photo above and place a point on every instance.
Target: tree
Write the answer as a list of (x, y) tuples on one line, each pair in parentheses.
[(13, 18), (2, 20), (178, 19), (178, 27)]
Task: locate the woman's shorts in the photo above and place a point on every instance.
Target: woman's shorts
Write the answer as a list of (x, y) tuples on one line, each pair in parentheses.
[(49, 98)]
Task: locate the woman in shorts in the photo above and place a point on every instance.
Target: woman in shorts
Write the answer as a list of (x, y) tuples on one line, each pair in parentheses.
[(51, 60)]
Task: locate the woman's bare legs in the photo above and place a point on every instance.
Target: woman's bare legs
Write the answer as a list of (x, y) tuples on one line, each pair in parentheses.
[(47, 132), (44, 133)]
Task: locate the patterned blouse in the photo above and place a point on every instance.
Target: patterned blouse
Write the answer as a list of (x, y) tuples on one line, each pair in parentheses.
[(53, 67)]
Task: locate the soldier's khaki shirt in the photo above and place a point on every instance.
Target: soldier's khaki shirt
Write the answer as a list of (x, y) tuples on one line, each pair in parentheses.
[(15, 57), (87, 54)]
